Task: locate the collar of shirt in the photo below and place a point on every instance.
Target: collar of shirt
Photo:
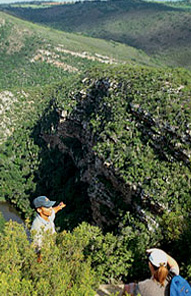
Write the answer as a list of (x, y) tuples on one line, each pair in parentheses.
[(45, 222)]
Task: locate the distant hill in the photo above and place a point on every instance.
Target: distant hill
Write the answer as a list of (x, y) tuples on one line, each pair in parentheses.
[(34, 56), (160, 29), (34, 50)]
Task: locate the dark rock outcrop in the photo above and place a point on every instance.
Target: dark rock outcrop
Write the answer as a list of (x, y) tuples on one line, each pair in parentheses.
[(107, 191)]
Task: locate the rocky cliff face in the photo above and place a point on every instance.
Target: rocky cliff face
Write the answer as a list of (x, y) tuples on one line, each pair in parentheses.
[(74, 136), (108, 193), (128, 137)]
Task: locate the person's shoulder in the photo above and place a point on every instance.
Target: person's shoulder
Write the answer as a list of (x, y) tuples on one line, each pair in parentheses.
[(146, 282), (147, 287)]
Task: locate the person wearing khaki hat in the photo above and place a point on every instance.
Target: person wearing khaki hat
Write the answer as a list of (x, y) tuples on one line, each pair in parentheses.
[(44, 220), (162, 267)]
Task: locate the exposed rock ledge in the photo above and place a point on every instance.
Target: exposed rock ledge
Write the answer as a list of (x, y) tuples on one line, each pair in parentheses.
[(105, 290), (74, 137), (108, 193)]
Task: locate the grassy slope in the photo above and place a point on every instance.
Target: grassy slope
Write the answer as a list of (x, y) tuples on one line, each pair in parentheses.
[(22, 40), (33, 56), (157, 28)]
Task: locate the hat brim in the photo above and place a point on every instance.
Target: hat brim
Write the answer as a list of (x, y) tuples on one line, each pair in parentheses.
[(49, 204)]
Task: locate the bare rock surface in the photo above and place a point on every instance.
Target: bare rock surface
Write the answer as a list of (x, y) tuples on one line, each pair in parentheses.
[(105, 290)]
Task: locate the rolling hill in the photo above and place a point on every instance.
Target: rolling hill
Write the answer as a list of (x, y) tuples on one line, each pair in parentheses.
[(105, 128), (33, 56), (159, 29)]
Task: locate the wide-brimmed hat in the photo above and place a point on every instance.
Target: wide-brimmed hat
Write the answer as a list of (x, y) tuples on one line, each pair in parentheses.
[(43, 201), (158, 258)]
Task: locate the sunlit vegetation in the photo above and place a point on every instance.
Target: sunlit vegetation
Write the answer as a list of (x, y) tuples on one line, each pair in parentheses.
[(63, 271), (140, 123), (137, 117), (161, 29), (35, 56)]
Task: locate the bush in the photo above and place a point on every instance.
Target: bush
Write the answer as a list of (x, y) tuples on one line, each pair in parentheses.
[(72, 263), (21, 274), (2, 222), (112, 256)]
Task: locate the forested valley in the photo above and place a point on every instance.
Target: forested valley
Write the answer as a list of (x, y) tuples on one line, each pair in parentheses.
[(105, 128)]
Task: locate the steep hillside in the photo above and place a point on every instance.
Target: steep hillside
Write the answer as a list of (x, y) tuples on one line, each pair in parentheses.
[(112, 141), (114, 145), (123, 139), (159, 29), (33, 56), (129, 139)]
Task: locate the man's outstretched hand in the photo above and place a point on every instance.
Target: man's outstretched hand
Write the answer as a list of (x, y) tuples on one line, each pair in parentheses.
[(62, 205), (59, 207)]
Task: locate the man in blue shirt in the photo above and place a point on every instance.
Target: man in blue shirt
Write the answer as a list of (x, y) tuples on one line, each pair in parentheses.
[(44, 220)]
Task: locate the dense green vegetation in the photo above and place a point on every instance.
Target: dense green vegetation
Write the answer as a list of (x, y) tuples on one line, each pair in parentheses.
[(140, 124), (34, 56), (135, 119), (147, 118), (24, 102), (161, 30), (20, 153), (63, 270), (2, 222)]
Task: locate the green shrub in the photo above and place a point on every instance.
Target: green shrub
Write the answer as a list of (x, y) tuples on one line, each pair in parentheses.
[(2, 222), (112, 256), (57, 274)]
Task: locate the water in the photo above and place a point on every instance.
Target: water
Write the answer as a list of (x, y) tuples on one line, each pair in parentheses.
[(9, 212)]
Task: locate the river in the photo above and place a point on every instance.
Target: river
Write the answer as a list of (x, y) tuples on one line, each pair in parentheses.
[(9, 212)]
